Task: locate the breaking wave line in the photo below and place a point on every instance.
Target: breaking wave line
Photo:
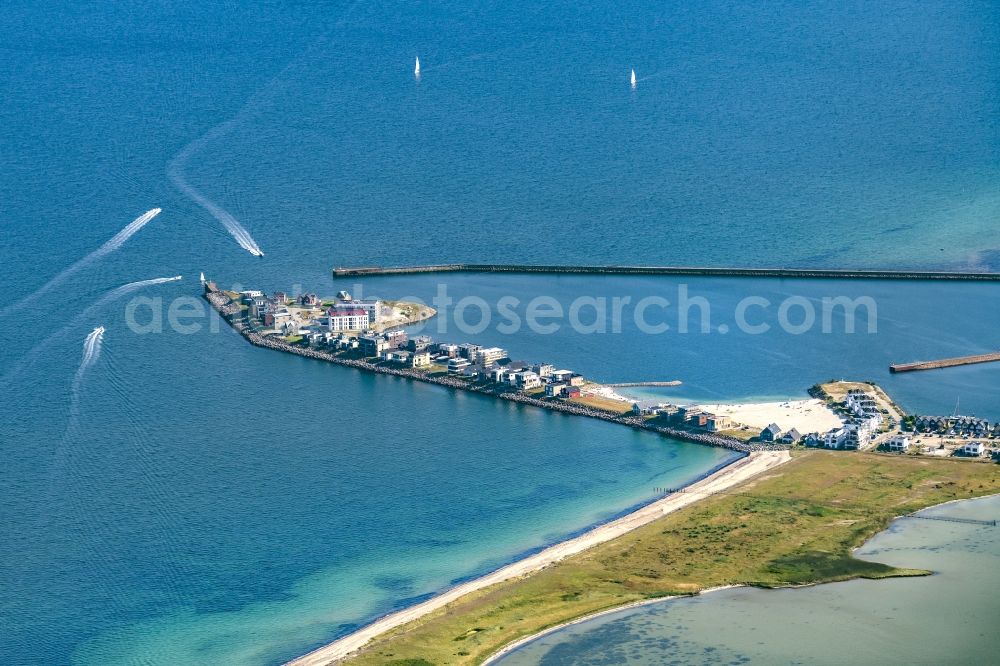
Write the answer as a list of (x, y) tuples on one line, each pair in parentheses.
[(115, 293), (175, 171), (110, 246)]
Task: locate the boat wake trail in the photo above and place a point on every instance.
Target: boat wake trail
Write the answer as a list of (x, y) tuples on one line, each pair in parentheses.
[(110, 246), (91, 351), (175, 168), (115, 293), (130, 229), (175, 171)]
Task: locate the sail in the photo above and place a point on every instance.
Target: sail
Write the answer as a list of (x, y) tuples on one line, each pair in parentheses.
[(633, 78), (416, 69)]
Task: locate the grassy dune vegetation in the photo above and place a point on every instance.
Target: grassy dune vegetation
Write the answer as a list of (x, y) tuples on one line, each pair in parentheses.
[(796, 526)]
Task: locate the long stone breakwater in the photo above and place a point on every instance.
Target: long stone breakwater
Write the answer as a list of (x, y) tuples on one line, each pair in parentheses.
[(830, 273), (945, 362), (233, 314)]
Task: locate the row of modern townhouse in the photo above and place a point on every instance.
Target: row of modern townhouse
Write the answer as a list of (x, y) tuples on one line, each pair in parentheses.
[(955, 426), (465, 359), (690, 416)]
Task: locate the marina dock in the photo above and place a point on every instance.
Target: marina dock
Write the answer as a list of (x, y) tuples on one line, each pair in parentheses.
[(945, 362), (825, 273)]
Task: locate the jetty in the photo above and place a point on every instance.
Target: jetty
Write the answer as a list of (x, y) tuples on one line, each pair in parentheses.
[(716, 271), (234, 315), (674, 382), (945, 362)]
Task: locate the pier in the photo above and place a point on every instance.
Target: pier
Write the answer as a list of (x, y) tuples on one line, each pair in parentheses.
[(675, 382), (824, 273), (945, 362)]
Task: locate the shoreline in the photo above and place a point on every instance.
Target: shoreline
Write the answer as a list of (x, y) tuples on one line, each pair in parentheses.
[(735, 473), (511, 647)]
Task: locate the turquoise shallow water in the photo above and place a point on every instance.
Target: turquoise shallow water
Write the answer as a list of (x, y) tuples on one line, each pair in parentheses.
[(947, 618), (195, 500)]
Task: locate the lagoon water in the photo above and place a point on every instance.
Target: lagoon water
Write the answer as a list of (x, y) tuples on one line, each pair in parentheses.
[(201, 501), (947, 618)]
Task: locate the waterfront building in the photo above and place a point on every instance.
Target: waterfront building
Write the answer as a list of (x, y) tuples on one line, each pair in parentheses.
[(277, 318), (258, 306), (900, 443), (643, 408), (457, 365), (860, 434), (396, 356), (576, 380), (834, 439), (372, 345), (468, 351), (449, 350), (862, 405), (851, 436), (396, 337), (526, 380), (346, 319), (419, 343), (771, 433), (790, 437), (543, 370), (372, 306), (561, 375), (309, 300), (250, 294), (421, 359), (555, 389), (973, 449), (489, 355), (573, 392)]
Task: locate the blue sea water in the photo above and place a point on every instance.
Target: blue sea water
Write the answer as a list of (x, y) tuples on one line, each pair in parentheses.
[(195, 500)]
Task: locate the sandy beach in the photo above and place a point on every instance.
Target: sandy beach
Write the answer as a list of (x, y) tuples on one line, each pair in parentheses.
[(727, 477), (804, 415), (609, 393)]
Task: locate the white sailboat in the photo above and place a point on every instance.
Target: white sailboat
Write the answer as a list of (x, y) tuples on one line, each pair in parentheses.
[(633, 79), (416, 69)]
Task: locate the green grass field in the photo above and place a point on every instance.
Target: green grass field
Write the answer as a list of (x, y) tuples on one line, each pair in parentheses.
[(794, 526)]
